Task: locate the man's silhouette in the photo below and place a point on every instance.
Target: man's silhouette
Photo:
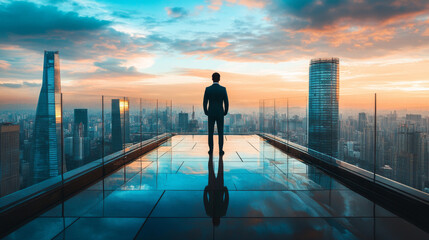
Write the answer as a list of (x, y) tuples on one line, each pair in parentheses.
[(216, 197), (215, 97)]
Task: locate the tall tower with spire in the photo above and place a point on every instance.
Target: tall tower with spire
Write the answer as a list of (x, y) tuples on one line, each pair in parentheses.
[(46, 148), (193, 112), (193, 124)]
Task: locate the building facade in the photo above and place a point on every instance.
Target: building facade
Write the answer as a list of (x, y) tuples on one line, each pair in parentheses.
[(47, 156), (323, 126), (80, 136), (183, 122), (120, 123), (9, 159)]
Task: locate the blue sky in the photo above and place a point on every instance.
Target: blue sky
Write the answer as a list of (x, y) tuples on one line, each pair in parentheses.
[(261, 47)]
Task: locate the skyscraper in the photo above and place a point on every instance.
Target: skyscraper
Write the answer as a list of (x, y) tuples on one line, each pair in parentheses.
[(362, 121), (193, 123), (323, 129), (47, 158), (9, 158), (120, 123), (183, 121), (80, 136)]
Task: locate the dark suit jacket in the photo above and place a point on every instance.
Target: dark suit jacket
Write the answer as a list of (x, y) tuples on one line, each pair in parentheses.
[(215, 96)]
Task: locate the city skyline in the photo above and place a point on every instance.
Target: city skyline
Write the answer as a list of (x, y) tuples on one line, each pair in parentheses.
[(399, 152), (214, 119), (155, 48)]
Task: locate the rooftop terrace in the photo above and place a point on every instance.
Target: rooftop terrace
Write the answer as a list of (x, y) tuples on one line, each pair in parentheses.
[(255, 191)]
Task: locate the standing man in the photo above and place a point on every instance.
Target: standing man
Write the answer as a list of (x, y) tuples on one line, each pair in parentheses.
[(215, 97)]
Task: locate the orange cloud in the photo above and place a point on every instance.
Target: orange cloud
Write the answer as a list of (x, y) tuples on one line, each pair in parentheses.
[(216, 4), (222, 44), (249, 3), (4, 65)]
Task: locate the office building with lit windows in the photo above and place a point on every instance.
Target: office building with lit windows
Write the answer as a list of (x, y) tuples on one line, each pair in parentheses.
[(323, 98)]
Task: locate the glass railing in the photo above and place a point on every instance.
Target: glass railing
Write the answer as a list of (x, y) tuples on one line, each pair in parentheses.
[(402, 142), (383, 139), (83, 132)]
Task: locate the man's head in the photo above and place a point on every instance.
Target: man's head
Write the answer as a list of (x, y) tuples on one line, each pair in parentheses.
[(216, 77)]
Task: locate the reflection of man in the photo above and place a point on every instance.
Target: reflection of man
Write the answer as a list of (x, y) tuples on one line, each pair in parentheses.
[(215, 97), (216, 195)]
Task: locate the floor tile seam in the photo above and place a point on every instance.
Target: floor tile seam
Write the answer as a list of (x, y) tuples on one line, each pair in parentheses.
[(141, 170), (77, 218), (178, 143), (180, 166), (93, 204), (239, 156), (153, 208), (279, 169), (158, 157), (253, 146), (127, 181)]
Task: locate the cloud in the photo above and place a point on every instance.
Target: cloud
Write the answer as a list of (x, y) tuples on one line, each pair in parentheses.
[(26, 19), (176, 12), (111, 69), (326, 14), (304, 29), (19, 85), (114, 65), (4, 65), (36, 28), (217, 4)]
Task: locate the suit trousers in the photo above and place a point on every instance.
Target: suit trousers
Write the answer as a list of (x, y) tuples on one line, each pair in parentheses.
[(219, 123)]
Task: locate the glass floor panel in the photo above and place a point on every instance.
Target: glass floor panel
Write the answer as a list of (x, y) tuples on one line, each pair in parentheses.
[(254, 191)]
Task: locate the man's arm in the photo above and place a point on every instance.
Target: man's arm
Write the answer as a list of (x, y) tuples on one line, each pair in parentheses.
[(205, 103), (225, 100)]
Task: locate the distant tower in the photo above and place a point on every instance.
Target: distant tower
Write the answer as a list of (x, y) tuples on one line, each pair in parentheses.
[(193, 124), (323, 132), (120, 123), (46, 151), (80, 136), (193, 112), (362, 121), (183, 121), (9, 158)]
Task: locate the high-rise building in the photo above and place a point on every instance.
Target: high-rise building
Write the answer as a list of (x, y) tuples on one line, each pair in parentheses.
[(183, 121), (68, 147), (120, 123), (323, 127), (193, 124), (80, 136), (362, 121), (47, 158), (9, 158)]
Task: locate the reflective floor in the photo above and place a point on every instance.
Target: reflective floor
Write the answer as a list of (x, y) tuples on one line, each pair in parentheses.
[(253, 192)]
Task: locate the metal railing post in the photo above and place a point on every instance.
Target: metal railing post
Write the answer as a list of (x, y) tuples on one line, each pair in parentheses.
[(375, 135)]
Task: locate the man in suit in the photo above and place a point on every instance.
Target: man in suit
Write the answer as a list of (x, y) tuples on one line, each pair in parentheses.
[(215, 97)]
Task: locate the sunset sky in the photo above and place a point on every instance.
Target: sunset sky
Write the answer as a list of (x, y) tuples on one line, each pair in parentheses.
[(169, 49)]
